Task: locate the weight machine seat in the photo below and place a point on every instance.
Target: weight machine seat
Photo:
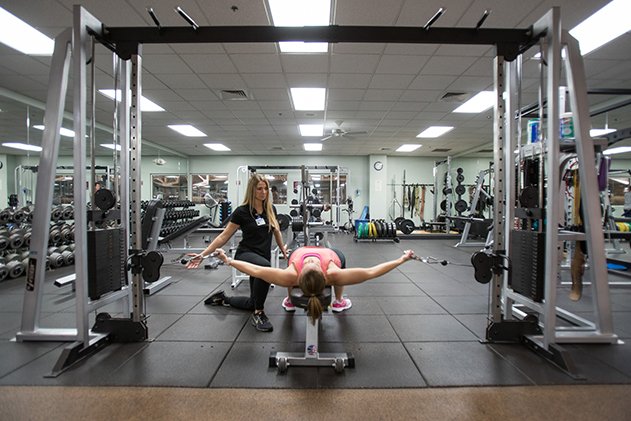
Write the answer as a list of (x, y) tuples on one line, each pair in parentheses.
[(311, 357)]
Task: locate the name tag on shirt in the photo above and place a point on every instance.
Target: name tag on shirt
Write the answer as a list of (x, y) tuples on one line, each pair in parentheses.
[(259, 221)]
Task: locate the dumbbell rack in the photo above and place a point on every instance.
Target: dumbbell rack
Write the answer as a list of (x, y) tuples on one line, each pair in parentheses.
[(15, 235)]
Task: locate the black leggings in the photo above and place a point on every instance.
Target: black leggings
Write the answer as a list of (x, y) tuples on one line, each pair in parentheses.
[(258, 287)]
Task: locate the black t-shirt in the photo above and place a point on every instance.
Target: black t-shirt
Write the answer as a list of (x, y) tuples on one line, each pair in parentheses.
[(256, 236)]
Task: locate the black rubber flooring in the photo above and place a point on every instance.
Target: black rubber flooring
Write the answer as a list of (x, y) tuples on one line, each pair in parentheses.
[(418, 326)]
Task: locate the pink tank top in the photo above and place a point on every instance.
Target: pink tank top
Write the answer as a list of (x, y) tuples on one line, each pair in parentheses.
[(324, 254)]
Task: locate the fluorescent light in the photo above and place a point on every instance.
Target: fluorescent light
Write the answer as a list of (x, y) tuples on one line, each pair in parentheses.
[(219, 147), (408, 148), (187, 130), (313, 147), (22, 146), (603, 26), (617, 150), (435, 131), (308, 99), (600, 132), (311, 129), (111, 146), (303, 47), (62, 131), (300, 12), (146, 105), (21, 36), (482, 101)]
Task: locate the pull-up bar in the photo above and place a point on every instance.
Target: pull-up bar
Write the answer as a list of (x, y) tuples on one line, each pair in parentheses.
[(509, 42)]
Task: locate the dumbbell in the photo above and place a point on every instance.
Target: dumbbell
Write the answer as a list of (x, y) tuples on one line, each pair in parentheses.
[(54, 235), (6, 215), (4, 241), (68, 212), (14, 265), (27, 238), (16, 239), (56, 260), (56, 213), (4, 272), (20, 215), (68, 257), (65, 234)]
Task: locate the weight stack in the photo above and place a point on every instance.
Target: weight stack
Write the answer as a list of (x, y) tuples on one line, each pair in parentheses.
[(106, 262), (527, 255)]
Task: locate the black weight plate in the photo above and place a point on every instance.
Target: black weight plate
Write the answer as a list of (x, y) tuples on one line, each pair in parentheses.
[(460, 189), (461, 206), (483, 264), (283, 221), (294, 201), (529, 197), (459, 170), (460, 178), (104, 199), (378, 229), (397, 221), (293, 213), (407, 226)]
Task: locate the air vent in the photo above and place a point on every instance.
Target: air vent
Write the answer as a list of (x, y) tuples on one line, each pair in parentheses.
[(233, 95), (486, 150), (454, 97), (277, 148), (385, 149), (440, 150)]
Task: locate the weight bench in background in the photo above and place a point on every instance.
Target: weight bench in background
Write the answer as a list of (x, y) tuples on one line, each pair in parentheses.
[(311, 357)]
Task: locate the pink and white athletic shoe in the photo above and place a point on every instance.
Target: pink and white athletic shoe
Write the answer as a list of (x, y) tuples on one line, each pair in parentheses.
[(288, 305), (342, 305)]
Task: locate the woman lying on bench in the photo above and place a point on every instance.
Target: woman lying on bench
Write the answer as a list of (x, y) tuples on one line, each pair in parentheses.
[(313, 268)]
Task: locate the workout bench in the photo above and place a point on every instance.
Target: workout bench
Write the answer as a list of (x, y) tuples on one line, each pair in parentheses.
[(311, 357)]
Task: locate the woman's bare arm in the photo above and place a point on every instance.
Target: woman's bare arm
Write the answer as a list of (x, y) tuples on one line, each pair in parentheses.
[(281, 245), (352, 276), (282, 277)]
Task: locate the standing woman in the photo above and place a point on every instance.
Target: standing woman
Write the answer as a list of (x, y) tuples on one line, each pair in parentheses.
[(256, 218)]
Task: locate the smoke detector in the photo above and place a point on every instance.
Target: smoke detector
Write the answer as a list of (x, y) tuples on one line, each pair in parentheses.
[(159, 161)]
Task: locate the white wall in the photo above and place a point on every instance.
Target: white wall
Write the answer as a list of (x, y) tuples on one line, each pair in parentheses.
[(365, 185)]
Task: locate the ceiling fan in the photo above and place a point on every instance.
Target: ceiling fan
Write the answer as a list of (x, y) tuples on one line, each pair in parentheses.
[(340, 132)]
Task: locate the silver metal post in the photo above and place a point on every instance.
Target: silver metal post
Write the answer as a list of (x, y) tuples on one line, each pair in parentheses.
[(499, 204), (53, 116), (135, 150)]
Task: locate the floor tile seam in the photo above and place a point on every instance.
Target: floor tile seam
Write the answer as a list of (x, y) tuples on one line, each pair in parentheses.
[(225, 356), (509, 362), (583, 351), (409, 354), (54, 348)]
